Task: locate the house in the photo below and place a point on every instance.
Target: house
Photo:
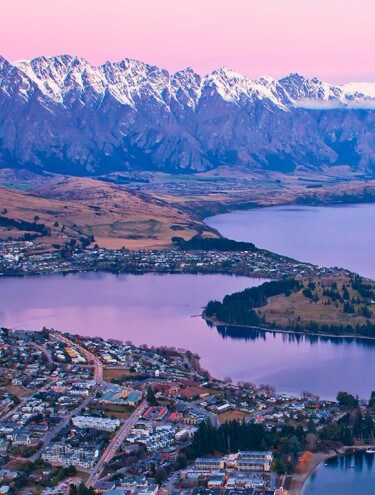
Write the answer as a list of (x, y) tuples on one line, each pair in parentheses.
[(190, 383), (224, 407), (117, 491), (209, 464), (175, 417), (216, 481), (156, 413), (21, 439), (121, 395), (254, 461), (191, 393), (253, 465), (170, 454), (139, 481), (103, 424)]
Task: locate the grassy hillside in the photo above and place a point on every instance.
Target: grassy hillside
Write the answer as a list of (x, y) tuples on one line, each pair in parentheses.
[(325, 302), (82, 207), (335, 306)]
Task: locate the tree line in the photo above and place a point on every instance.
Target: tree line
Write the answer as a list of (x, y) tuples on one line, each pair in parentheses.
[(199, 243), (40, 228), (238, 308)]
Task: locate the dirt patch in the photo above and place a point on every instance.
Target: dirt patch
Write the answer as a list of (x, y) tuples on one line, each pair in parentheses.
[(232, 416), (20, 392), (110, 374)]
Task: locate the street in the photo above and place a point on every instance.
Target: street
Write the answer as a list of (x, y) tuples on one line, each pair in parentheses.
[(116, 443)]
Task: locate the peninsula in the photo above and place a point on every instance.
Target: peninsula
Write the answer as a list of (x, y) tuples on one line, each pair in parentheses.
[(337, 306)]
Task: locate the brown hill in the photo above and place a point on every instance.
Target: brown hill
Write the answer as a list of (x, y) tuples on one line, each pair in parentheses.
[(76, 207)]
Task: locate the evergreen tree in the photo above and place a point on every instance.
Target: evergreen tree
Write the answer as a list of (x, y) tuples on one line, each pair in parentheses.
[(150, 397)]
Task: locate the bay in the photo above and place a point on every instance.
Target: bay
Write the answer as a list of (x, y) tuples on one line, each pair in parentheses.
[(344, 475), (165, 310), (341, 236)]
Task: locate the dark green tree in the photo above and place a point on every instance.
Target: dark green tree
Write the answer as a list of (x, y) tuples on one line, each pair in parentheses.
[(150, 397), (347, 400)]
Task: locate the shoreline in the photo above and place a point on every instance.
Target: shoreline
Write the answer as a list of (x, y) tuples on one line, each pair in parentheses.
[(299, 480), (135, 272), (254, 206), (206, 211), (212, 321), (290, 332)]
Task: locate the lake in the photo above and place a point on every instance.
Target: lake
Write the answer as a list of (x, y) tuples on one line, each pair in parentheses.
[(163, 310), (346, 475), (328, 236)]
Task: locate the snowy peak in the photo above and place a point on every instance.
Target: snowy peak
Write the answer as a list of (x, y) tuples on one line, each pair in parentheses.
[(128, 81), (300, 88), (236, 88), (65, 115), (186, 88), (314, 93), (3, 63)]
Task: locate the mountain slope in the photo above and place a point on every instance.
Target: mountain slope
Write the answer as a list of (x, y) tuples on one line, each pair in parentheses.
[(63, 115), (75, 207)]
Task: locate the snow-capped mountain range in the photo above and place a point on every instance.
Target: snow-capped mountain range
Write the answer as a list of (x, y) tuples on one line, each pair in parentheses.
[(62, 114)]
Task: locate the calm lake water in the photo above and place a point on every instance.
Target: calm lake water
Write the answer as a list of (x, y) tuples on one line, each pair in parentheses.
[(348, 475), (163, 309), (329, 236)]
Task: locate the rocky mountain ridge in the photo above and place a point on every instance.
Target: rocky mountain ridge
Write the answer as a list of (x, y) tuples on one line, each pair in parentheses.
[(62, 114)]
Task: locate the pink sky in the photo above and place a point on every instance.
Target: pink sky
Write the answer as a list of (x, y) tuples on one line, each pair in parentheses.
[(332, 39)]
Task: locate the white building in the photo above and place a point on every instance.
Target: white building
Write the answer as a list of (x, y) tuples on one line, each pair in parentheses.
[(103, 424)]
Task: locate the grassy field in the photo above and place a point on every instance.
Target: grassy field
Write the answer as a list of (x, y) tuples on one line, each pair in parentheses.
[(322, 309), (20, 392), (232, 416), (23, 451), (110, 374), (115, 411), (227, 188)]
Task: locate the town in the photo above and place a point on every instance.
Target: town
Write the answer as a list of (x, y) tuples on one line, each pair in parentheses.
[(82, 413), (23, 258)]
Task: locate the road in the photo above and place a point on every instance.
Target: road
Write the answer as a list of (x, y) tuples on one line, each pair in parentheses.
[(169, 485), (120, 435), (44, 351), (208, 414), (98, 377), (116, 443), (56, 430), (98, 373)]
